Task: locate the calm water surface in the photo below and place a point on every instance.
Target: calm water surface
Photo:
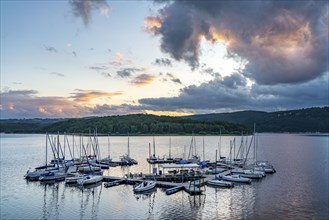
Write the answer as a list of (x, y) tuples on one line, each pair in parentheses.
[(299, 189)]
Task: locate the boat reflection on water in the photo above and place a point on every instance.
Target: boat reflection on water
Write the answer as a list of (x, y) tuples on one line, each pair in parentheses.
[(54, 196), (197, 201), (90, 199), (89, 186), (145, 194)]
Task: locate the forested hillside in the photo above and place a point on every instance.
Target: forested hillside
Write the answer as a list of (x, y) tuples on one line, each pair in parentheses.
[(132, 124), (302, 120)]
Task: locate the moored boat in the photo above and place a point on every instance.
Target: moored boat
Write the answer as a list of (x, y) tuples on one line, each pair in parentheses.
[(90, 179), (74, 179), (52, 176), (144, 186), (234, 178), (264, 166), (220, 183), (248, 173)]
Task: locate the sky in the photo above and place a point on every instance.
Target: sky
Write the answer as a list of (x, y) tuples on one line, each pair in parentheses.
[(82, 58)]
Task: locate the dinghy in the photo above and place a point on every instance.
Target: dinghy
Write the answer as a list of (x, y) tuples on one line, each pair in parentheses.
[(220, 183), (144, 186), (235, 178)]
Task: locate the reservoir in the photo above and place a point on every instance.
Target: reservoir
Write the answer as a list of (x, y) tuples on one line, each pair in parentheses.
[(298, 190)]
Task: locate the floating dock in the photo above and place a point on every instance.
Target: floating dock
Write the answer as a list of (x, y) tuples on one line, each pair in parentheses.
[(192, 187)]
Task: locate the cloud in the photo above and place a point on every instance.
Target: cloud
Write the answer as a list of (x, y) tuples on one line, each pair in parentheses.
[(172, 78), (127, 72), (280, 41), (106, 74), (209, 71), (98, 68), (88, 95), (163, 62), (26, 104), (57, 74), (232, 93), (142, 80), (83, 9), (119, 60), (105, 109), (51, 49)]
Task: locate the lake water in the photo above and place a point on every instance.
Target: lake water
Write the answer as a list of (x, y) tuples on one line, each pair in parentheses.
[(298, 190)]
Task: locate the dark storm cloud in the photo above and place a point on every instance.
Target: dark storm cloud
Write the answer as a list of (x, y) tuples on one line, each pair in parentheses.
[(232, 93), (83, 8), (281, 41), (163, 62)]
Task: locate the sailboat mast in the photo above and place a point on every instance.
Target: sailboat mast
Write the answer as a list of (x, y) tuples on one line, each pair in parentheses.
[(220, 143), (128, 146), (203, 147), (46, 148), (108, 144), (153, 146), (73, 145), (149, 150), (169, 146), (255, 144)]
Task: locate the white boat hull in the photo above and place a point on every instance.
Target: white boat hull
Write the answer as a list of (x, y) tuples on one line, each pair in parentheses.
[(90, 180), (145, 186), (236, 178), (220, 183)]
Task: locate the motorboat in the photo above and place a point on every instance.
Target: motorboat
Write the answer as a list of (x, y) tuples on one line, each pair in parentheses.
[(144, 186), (234, 178), (220, 183), (264, 166), (90, 179)]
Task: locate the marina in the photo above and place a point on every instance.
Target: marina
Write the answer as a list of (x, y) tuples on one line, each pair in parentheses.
[(192, 176), (171, 197)]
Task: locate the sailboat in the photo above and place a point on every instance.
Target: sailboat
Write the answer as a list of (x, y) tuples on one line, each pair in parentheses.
[(108, 160), (192, 155), (152, 159), (44, 170), (126, 160)]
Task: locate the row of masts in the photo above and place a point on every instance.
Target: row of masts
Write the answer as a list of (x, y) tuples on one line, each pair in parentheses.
[(237, 155)]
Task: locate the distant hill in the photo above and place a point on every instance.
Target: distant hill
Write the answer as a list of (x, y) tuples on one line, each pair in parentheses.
[(25, 125), (122, 125), (303, 120)]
